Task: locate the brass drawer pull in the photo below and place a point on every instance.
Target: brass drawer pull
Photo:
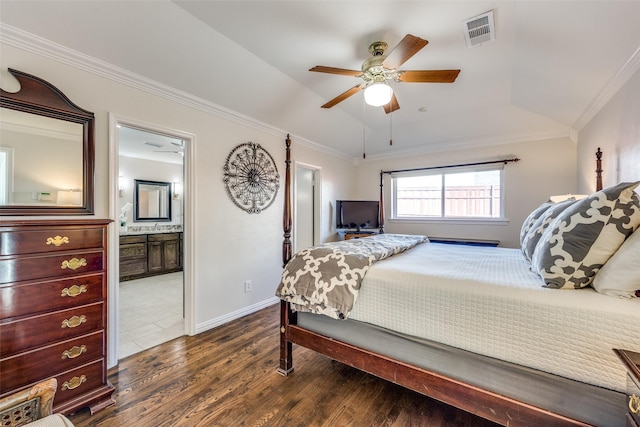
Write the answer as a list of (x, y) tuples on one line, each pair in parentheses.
[(634, 404), (57, 241), (74, 291), (74, 263), (74, 352), (74, 321), (75, 382)]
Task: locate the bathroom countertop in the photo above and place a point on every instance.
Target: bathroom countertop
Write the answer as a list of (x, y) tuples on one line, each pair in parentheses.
[(149, 229)]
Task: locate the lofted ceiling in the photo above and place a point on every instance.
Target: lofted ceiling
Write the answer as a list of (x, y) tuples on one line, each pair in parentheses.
[(551, 66)]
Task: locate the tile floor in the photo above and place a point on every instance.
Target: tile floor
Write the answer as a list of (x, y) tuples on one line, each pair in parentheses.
[(150, 312)]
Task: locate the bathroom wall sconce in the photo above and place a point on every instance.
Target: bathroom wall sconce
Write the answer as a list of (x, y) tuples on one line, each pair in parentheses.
[(121, 186), (177, 190)]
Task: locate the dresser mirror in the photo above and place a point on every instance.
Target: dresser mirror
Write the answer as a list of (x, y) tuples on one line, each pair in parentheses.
[(46, 151), (151, 201)]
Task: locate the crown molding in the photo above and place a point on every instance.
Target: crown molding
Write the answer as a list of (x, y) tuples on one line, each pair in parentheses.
[(628, 69), (467, 144), (46, 48)]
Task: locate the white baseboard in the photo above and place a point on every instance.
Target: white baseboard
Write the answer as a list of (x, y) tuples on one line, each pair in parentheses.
[(210, 324)]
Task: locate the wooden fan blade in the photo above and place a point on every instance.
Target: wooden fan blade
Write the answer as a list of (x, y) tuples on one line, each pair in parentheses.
[(344, 96), (408, 46), (428, 76), (392, 105), (333, 70)]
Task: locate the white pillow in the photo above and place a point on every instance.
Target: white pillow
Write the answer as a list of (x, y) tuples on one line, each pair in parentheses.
[(620, 276)]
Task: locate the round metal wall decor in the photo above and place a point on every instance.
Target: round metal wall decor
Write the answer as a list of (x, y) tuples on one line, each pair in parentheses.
[(251, 177)]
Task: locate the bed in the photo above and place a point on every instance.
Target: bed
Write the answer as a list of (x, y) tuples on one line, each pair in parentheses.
[(471, 326)]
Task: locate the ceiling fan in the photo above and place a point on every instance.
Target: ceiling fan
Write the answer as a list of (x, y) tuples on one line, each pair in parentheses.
[(378, 70)]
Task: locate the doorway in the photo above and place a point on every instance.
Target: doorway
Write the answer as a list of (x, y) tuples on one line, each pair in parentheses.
[(150, 288), (306, 206)]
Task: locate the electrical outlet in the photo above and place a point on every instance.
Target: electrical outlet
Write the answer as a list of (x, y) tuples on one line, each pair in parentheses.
[(248, 286)]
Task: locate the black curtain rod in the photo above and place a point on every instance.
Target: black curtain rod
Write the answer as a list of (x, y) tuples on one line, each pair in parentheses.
[(505, 161)]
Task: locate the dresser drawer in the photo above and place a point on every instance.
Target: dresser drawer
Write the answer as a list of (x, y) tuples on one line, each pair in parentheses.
[(132, 239), (26, 368), (66, 264), (36, 331), (77, 382), (36, 297), (24, 241), (162, 237)]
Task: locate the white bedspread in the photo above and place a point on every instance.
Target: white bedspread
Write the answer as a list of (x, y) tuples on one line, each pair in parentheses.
[(486, 300)]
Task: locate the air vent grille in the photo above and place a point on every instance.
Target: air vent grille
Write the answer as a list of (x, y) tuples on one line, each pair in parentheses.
[(479, 29)]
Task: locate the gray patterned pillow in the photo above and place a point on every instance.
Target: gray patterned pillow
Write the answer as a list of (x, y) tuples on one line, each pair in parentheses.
[(536, 230), (585, 235), (531, 219)]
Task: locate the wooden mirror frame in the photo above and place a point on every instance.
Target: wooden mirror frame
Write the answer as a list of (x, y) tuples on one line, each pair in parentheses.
[(39, 97)]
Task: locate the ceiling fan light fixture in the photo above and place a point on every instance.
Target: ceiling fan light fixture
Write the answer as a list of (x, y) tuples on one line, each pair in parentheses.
[(378, 94)]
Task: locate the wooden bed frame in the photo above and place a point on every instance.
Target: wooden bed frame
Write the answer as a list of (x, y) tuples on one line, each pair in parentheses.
[(476, 400)]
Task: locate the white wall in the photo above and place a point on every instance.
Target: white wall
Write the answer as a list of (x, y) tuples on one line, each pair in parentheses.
[(230, 245), (546, 167), (616, 130)]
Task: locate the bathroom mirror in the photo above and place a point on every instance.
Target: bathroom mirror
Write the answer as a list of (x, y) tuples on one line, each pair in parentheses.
[(151, 201), (46, 151)]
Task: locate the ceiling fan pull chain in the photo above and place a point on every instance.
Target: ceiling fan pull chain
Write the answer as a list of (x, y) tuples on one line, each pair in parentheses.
[(391, 128), (364, 130)]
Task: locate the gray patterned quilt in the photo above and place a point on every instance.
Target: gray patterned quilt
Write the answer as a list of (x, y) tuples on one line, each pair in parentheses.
[(325, 279)]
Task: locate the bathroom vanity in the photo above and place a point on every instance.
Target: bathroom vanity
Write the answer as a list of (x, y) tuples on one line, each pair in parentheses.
[(145, 254)]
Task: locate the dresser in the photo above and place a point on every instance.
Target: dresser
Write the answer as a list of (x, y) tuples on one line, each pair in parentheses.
[(53, 310), (631, 361)]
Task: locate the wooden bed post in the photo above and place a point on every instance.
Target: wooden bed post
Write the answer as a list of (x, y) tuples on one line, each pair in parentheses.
[(286, 315), (286, 219), (598, 170), (381, 210)]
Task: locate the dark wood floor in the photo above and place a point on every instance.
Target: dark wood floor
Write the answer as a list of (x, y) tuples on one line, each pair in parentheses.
[(227, 377)]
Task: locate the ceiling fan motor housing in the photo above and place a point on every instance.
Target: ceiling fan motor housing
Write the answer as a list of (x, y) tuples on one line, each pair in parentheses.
[(378, 48)]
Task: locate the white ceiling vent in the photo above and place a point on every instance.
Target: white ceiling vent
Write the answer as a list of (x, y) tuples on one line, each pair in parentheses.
[(479, 29)]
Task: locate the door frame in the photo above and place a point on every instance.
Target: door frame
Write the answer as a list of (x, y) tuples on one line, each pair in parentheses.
[(317, 200), (113, 238)]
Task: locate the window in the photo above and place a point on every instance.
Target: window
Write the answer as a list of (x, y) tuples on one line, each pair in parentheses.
[(468, 193)]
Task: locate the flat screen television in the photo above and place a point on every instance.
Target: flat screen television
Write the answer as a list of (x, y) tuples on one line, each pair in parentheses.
[(358, 214)]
